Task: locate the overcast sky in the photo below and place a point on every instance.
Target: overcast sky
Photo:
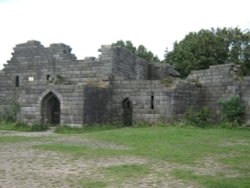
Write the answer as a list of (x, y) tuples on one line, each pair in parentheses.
[(87, 24)]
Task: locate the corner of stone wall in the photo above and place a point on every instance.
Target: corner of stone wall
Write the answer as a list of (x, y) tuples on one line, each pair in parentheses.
[(219, 82)]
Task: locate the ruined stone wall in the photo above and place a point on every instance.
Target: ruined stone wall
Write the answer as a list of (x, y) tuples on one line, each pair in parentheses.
[(220, 82), (3, 86), (96, 105), (152, 100), (161, 70), (7, 90), (244, 87), (70, 97), (98, 90), (55, 64), (128, 65)]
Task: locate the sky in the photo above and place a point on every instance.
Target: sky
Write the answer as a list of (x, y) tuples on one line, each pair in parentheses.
[(85, 25)]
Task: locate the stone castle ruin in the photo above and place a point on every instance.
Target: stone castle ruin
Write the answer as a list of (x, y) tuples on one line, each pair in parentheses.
[(52, 86)]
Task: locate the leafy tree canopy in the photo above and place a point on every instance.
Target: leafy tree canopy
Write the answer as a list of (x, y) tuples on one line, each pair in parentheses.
[(199, 50), (141, 51)]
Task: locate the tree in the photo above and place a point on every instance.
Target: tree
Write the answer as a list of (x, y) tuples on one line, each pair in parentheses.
[(141, 51), (199, 50)]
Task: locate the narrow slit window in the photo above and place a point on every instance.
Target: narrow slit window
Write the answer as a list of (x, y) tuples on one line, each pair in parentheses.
[(17, 81), (48, 77), (152, 102)]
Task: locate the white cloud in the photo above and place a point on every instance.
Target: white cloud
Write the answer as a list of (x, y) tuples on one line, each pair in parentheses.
[(87, 24)]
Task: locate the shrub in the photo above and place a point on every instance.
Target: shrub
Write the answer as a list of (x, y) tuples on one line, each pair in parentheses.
[(39, 127), (232, 109), (200, 118), (20, 124), (9, 113)]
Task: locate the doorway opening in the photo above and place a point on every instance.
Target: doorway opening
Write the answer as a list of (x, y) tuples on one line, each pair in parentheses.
[(127, 112), (51, 109)]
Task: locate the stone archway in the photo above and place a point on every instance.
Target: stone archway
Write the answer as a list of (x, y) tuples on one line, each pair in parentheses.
[(51, 109), (127, 112)]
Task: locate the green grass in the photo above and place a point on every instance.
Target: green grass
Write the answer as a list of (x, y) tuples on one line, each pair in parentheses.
[(218, 181), (182, 145), (14, 126), (239, 162), (92, 184), (174, 145), (20, 126), (187, 146), (127, 171)]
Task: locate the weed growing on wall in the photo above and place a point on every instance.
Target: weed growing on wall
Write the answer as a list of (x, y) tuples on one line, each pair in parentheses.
[(232, 109)]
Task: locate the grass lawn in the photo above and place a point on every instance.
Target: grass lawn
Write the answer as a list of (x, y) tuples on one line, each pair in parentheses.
[(186, 146), (181, 145)]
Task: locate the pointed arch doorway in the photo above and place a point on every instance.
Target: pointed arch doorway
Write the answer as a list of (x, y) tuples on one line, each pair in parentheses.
[(51, 109), (127, 112)]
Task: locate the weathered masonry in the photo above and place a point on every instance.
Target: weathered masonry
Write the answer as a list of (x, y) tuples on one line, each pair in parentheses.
[(52, 86)]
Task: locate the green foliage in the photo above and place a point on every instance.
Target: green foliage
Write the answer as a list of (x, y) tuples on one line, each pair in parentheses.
[(146, 54), (10, 113), (201, 118), (232, 109), (39, 127), (199, 50), (141, 51), (92, 183), (21, 126), (127, 171), (14, 126), (127, 44)]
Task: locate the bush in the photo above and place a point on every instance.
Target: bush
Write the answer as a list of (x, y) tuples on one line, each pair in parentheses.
[(200, 118), (14, 126), (9, 113), (39, 127), (20, 125), (232, 109)]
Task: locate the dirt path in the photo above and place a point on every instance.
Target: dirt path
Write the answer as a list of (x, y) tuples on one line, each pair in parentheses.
[(23, 166)]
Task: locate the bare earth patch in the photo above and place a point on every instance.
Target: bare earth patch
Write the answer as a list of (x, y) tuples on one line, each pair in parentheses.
[(23, 166)]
